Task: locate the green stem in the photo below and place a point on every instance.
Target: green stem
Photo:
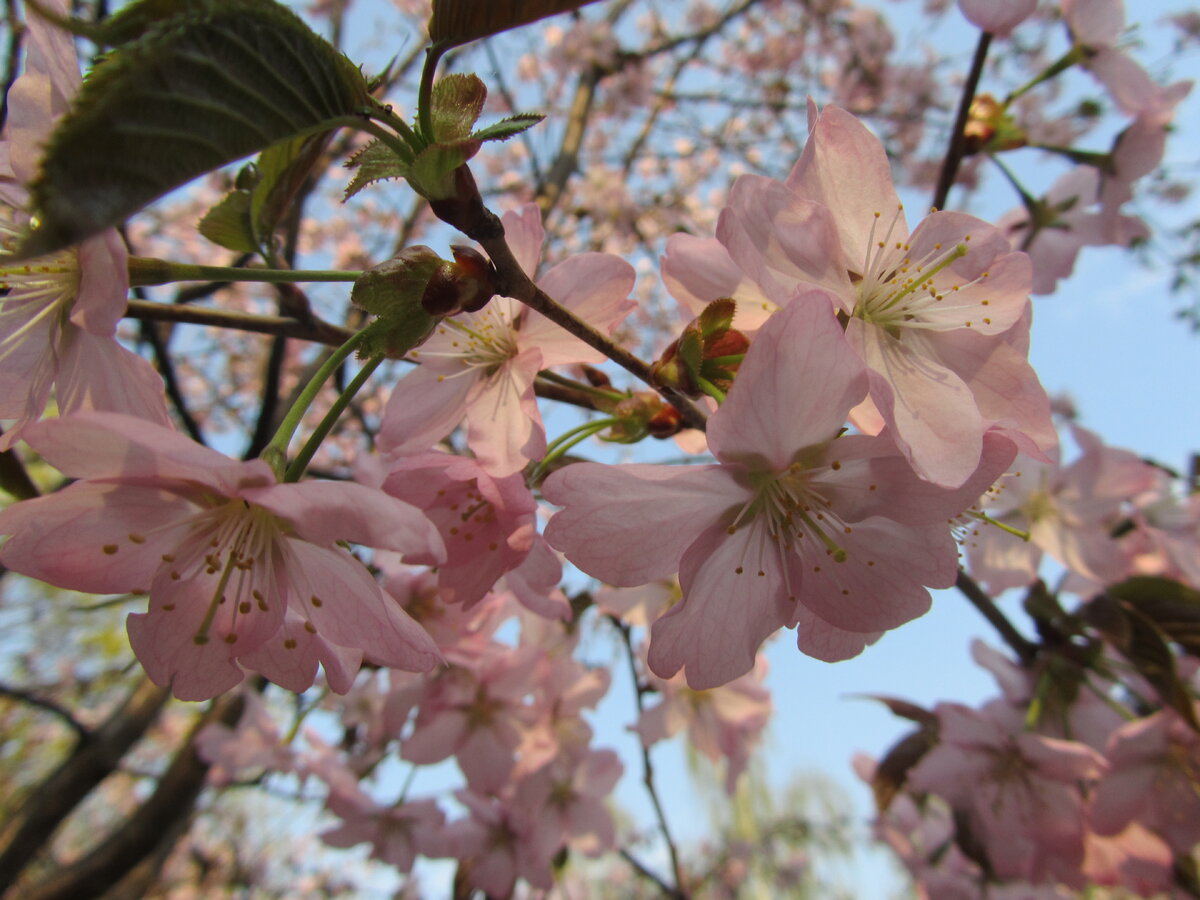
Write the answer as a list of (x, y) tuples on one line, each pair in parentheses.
[(425, 92), (1075, 55), (566, 441), (604, 393), (296, 470), (275, 453), (145, 271), (711, 389), (401, 145)]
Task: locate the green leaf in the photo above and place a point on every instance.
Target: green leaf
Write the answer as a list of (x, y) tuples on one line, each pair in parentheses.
[(432, 173), (392, 291), (717, 316), (374, 162), (228, 223), (456, 103), (1171, 606), (507, 127), (199, 90), (892, 771), (283, 170), (1139, 641), (456, 22)]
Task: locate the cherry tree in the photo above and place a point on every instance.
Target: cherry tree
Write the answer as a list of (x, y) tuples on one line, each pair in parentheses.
[(300, 501)]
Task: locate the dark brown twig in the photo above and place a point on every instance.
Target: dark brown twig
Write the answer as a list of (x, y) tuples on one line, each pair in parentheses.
[(954, 153)]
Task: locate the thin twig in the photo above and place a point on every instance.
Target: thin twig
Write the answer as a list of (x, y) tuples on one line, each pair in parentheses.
[(316, 330), (958, 138), (648, 766), (1022, 646), (49, 706)]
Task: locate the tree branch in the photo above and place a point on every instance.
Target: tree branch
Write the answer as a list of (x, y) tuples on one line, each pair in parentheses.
[(1025, 649), (958, 138), (648, 769), (92, 760), (174, 797), (49, 706)]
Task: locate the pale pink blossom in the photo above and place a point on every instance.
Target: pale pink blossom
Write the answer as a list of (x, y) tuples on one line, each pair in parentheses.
[(479, 715), (498, 843), (489, 525), (791, 515), (480, 366), (397, 834), (248, 749), (928, 312), (59, 314), (1020, 793), (1068, 512), (224, 551), (726, 722), (566, 800), (1070, 221), (1154, 772), (998, 17)]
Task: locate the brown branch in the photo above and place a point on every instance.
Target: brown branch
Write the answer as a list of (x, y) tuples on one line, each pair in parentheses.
[(90, 762), (648, 767), (958, 137), (316, 330), (50, 706), (1025, 649), (125, 848)]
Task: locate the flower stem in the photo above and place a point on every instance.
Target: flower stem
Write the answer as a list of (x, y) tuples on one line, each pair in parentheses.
[(145, 271), (275, 453), (295, 471)]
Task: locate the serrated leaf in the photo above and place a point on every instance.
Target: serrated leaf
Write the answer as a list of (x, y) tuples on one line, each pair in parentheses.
[(717, 316), (691, 350), (455, 22), (374, 162), (127, 24), (228, 223), (432, 172), (1171, 606), (189, 95), (507, 127), (283, 170), (392, 291), (455, 105)]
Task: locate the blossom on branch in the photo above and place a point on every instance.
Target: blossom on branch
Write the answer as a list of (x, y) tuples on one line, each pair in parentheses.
[(929, 313), (60, 312), (480, 366), (234, 562), (792, 516)]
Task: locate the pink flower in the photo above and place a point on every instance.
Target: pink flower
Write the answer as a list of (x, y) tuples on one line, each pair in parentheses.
[(791, 516), (999, 17), (60, 312), (1155, 770), (928, 312), (1068, 513), (224, 551), (480, 366), (1019, 792), (727, 721), (1067, 222), (489, 526)]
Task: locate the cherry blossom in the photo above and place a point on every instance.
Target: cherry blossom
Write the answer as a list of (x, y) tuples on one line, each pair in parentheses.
[(1020, 792), (224, 552), (489, 526), (60, 312), (927, 312), (480, 366), (791, 515)]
